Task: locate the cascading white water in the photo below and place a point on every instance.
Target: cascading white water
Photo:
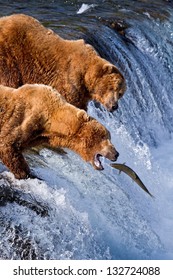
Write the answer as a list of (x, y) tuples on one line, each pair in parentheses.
[(79, 213)]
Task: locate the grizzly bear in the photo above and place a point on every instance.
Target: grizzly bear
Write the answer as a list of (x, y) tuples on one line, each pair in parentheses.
[(31, 53), (38, 115)]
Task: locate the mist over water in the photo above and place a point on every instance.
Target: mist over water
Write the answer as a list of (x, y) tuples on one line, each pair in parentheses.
[(77, 212)]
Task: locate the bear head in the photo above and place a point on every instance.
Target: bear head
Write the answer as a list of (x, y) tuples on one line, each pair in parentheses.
[(93, 141), (76, 130), (109, 86)]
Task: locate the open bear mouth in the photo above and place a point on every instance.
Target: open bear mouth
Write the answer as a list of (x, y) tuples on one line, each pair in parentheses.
[(97, 162)]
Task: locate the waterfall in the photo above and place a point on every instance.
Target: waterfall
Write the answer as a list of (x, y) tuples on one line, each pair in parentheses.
[(77, 212)]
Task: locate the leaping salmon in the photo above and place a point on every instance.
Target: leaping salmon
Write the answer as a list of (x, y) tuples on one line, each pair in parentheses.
[(126, 169)]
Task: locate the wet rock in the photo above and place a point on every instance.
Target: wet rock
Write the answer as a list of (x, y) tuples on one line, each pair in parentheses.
[(118, 25), (155, 14), (9, 194)]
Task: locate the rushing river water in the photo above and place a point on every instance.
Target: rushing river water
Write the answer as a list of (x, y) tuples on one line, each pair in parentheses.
[(77, 212)]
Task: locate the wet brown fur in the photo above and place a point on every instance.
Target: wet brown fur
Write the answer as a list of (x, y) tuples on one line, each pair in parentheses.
[(38, 115), (31, 53)]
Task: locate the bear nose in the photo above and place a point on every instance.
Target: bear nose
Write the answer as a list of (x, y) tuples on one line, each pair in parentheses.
[(116, 155), (114, 107)]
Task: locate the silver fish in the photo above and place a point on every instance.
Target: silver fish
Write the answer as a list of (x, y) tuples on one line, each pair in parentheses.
[(126, 169)]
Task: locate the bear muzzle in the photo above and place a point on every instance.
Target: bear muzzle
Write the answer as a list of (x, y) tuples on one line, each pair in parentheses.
[(112, 106), (109, 153)]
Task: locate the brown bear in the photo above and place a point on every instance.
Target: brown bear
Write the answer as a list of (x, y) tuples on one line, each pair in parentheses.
[(38, 115), (31, 53)]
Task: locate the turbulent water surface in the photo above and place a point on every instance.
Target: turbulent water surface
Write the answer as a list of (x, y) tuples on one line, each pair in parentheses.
[(76, 212)]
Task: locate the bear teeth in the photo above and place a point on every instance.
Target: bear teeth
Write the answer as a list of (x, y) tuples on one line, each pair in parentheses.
[(97, 162)]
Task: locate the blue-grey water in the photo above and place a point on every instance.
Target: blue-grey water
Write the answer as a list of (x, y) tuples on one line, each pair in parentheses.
[(77, 212)]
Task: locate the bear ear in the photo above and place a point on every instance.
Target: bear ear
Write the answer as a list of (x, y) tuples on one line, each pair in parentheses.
[(82, 115), (109, 69)]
